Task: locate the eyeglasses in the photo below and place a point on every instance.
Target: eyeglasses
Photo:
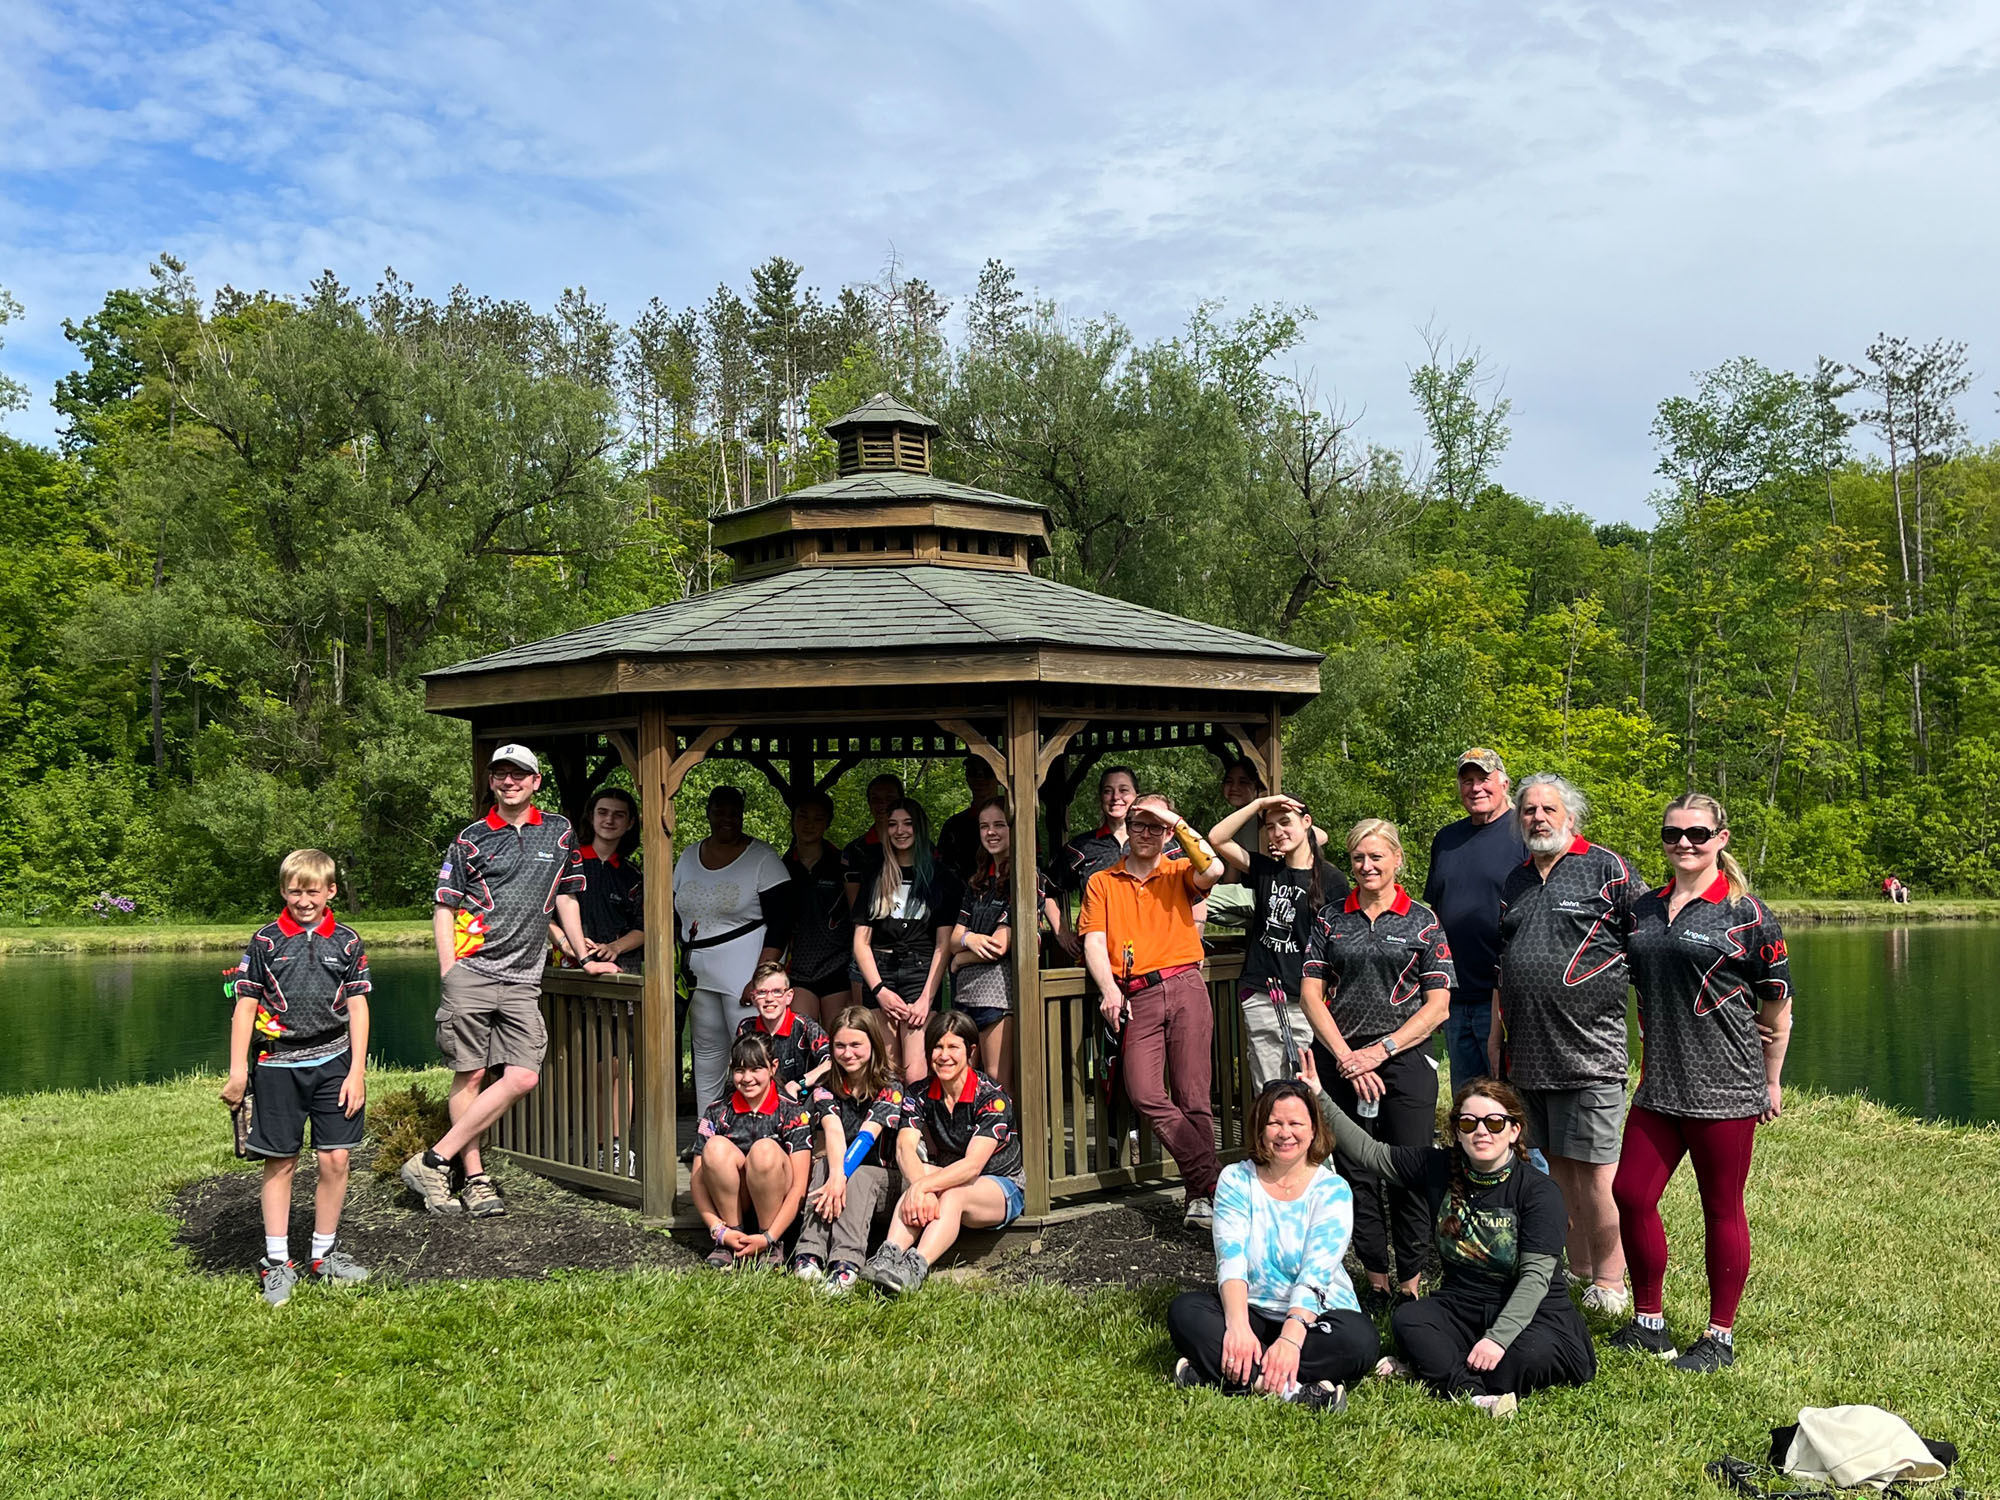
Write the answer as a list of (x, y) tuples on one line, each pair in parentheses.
[(1146, 828), (512, 775), (1494, 1123), (769, 994), (1695, 836)]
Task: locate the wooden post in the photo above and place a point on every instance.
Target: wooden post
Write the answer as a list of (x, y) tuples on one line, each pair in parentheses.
[(1274, 749), (483, 747), (659, 1047), (1030, 1048)]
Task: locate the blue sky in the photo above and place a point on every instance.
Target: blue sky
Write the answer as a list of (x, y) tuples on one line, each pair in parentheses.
[(1603, 198)]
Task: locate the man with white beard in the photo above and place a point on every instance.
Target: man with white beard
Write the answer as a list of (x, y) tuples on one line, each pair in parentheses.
[(1559, 1019)]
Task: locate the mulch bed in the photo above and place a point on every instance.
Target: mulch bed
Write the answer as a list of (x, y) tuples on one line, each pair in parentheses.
[(546, 1228), (1133, 1245)]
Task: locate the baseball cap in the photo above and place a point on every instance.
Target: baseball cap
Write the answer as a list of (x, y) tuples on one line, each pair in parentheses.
[(1483, 758), (516, 755)]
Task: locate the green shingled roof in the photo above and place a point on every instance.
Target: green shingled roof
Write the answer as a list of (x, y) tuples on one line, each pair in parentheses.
[(920, 607), (882, 407), (876, 485)]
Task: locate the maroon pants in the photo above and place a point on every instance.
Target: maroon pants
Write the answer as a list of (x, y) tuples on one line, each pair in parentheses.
[(1167, 1045), (1654, 1146)]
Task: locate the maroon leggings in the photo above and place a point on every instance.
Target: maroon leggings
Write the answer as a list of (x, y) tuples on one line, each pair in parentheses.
[(1654, 1145)]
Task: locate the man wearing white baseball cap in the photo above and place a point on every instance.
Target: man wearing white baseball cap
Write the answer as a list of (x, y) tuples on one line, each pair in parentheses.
[(502, 879), (1469, 861)]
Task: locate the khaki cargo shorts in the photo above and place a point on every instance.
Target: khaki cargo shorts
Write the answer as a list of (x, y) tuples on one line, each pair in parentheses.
[(483, 1022)]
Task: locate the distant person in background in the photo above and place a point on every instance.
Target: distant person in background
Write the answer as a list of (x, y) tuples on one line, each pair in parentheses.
[(1559, 1018), (610, 906), (1230, 905), (822, 920), (958, 839), (1470, 860), (1087, 853), (902, 933), (1289, 886), (1715, 1014), (733, 907), (864, 853)]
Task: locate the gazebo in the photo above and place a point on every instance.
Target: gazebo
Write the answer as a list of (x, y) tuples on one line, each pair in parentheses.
[(884, 613)]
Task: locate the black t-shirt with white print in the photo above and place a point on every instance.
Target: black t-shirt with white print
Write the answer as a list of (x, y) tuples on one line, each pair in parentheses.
[(981, 1107), (1701, 979), (302, 979), (1282, 918), (503, 881), (1562, 970), (1376, 972)]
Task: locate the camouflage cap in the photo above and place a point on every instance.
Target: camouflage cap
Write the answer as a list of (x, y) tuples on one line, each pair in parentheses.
[(1485, 759)]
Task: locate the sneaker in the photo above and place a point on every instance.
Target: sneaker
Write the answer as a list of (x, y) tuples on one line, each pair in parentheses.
[(1184, 1375), (885, 1270), (1607, 1301), (1707, 1355), (1199, 1214), (340, 1268), (481, 1199), (722, 1259), (915, 1270), (840, 1278), (1323, 1395), (770, 1258), (1636, 1338), (1503, 1405), (432, 1185), (277, 1280), (808, 1268)]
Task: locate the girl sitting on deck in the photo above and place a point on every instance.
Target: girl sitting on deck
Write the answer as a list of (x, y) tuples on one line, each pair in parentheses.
[(860, 1092), (974, 1177), (1501, 1324), (755, 1152)]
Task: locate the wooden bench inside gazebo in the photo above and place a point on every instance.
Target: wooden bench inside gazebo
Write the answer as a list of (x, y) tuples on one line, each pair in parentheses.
[(883, 614)]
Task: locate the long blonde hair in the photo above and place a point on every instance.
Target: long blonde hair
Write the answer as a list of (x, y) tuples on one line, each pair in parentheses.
[(1708, 807)]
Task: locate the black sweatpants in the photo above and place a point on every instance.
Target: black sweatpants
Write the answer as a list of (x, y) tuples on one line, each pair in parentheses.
[(1408, 1118), (1339, 1346), (1436, 1333)]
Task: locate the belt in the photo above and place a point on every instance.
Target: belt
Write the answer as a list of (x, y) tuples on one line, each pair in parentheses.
[(1132, 984)]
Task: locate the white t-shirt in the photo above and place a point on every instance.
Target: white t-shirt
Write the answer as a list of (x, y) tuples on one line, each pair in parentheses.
[(708, 902)]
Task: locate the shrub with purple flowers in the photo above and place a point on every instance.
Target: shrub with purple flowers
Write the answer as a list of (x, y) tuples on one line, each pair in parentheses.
[(108, 907)]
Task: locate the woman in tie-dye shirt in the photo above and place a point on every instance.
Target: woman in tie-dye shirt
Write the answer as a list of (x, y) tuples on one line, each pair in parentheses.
[(1283, 1317)]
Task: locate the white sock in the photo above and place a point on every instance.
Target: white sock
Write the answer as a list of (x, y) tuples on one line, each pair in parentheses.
[(277, 1248), (1722, 1335), (1650, 1320), (321, 1244)]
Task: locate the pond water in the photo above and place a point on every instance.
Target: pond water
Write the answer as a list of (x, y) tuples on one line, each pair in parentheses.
[(1902, 1014)]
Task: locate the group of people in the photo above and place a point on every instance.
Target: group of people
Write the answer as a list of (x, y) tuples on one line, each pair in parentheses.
[(1521, 952), (849, 1024)]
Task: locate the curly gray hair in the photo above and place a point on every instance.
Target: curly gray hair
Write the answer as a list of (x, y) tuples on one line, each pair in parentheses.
[(1573, 801)]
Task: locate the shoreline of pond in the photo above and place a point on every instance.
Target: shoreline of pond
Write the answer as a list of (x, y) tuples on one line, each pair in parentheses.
[(216, 937)]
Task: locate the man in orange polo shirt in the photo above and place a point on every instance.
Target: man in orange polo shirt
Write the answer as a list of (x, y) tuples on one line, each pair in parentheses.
[(1143, 951)]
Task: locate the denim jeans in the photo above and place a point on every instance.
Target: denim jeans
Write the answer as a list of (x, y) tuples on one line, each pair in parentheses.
[(1466, 1026)]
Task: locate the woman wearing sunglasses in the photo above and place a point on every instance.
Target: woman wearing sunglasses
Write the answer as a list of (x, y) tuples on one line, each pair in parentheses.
[(1715, 1011), (1501, 1324)]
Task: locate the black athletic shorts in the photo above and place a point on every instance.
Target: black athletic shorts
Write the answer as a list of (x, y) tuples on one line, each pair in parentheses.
[(833, 982), (287, 1097)]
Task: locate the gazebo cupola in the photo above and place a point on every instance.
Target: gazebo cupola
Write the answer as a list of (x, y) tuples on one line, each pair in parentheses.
[(886, 508)]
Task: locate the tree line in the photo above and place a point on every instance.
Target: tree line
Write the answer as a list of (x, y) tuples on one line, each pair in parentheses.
[(267, 514)]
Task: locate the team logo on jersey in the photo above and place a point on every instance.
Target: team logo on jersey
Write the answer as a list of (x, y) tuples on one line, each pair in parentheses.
[(468, 934)]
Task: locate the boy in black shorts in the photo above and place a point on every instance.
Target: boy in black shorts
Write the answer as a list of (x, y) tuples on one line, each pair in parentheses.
[(798, 1044), (302, 995)]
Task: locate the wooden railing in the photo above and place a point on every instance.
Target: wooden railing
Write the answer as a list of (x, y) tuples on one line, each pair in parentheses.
[(567, 1127), (1084, 1157)]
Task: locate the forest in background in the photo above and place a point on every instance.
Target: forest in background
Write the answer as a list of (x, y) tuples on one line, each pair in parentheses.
[(267, 515)]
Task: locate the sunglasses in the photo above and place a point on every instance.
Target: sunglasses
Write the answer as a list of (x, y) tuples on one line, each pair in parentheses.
[(1494, 1123), (1695, 836)]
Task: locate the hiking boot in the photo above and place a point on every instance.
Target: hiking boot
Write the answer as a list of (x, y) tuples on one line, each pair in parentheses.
[(1323, 1395), (1184, 1375), (722, 1258), (770, 1258), (840, 1278), (1707, 1355), (808, 1268), (340, 1268), (432, 1185), (1636, 1338), (1199, 1214), (277, 1279), (885, 1270), (1607, 1301), (481, 1198), (915, 1270)]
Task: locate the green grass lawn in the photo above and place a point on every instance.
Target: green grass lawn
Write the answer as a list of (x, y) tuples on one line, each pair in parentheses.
[(168, 937), (123, 1372)]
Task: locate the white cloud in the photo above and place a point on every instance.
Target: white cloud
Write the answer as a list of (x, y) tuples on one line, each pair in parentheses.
[(1604, 198)]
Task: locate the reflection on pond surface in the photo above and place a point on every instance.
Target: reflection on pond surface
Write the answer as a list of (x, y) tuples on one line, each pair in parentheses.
[(1898, 1013)]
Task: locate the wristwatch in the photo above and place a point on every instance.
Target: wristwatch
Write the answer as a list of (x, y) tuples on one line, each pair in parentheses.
[(1388, 1046)]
